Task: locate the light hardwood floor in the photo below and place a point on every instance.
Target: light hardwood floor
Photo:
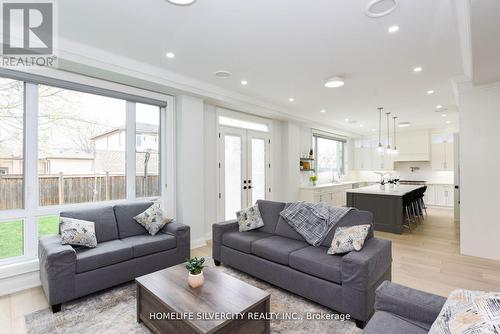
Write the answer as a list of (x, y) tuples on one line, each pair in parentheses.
[(427, 259)]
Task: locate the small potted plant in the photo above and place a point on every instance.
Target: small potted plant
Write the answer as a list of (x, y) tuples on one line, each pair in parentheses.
[(313, 179), (195, 268), (382, 184), (391, 183)]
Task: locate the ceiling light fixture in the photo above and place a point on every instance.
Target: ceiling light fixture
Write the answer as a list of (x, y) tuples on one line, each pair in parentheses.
[(393, 29), (395, 150), (170, 55), (181, 2), (388, 134), (448, 122), (430, 92), (388, 7), (347, 120), (222, 74), (244, 82), (417, 69), (334, 82), (439, 106), (404, 124), (443, 115), (291, 99), (322, 111)]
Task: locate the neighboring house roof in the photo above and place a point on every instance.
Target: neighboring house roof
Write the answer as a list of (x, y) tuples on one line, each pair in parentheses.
[(66, 154), (139, 128)]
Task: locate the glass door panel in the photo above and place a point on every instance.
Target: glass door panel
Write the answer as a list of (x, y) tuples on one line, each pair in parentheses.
[(233, 174), (258, 169)]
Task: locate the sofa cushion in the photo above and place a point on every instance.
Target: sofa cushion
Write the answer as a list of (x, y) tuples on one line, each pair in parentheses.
[(387, 323), (270, 213), (352, 218), (103, 217), (285, 230), (242, 241), (125, 213), (149, 244), (276, 248), (315, 261), (105, 254)]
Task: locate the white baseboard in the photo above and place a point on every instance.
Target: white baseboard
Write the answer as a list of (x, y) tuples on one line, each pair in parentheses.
[(199, 242), (20, 282)]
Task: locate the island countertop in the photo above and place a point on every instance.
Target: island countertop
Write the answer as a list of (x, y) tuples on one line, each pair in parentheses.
[(400, 190)]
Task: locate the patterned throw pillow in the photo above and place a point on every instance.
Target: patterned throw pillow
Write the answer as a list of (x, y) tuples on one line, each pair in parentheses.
[(347, 239), (77, 232), (153, 219), (249, 219), (469, 312)]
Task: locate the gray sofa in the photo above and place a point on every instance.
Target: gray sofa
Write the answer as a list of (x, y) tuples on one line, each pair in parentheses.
[(124, 251), (276, 253), (400, 309)]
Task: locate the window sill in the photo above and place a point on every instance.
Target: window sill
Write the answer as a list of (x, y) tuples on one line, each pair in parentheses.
[(22, 266)]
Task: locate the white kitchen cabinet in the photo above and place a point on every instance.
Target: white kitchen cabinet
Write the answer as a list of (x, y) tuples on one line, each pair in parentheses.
[(334, 195), (362, 154), (442, 152), (439, 195), (382, 161), (413, 146)]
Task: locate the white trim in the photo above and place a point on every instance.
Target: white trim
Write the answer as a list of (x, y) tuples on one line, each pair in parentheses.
[(168, 144), (199, 242), (19, 282), (463, 15)]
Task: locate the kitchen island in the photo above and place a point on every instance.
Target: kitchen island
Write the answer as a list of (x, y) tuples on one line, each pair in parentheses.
[(386, 205)]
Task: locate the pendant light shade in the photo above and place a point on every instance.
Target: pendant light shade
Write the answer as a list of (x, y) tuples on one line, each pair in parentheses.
[(379, 147), (395, 149), (388, 133)]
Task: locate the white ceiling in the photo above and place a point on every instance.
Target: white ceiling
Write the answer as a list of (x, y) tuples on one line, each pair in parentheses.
[(286, 48)]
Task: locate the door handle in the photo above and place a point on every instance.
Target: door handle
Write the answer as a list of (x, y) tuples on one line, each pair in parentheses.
[(249, 181), (244, 187), (249, 187), (244, 181)]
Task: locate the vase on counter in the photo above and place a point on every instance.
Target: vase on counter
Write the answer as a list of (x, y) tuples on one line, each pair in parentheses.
[(313, 183), (391, 186), (381, 186)]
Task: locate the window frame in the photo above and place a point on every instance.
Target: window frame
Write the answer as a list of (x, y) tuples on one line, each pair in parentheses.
[(339, 140), (32, 211)]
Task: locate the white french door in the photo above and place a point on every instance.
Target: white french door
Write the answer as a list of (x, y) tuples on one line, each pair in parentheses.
[(243, 169)]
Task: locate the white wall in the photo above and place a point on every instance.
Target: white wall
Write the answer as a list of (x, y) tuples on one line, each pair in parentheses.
[(190, 166), (479, 161), (211, 170)]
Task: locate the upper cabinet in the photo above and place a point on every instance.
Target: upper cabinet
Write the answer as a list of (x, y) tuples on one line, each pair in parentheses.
[(442, 152), (366, 156), (413, 146)]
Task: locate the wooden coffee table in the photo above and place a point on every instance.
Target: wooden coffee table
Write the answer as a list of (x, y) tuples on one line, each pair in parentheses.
[(224, 304)]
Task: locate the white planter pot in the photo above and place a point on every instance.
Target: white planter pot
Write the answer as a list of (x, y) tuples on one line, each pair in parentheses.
[(195, 281), (382, 186)]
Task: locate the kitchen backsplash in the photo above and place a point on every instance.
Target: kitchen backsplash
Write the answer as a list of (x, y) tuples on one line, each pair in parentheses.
[(422, 171)]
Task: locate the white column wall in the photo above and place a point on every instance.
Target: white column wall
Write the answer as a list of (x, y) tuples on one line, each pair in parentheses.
[(190, 205), (479, 162)]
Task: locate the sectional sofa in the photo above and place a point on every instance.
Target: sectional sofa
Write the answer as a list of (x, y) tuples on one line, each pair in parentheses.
[(124, 251), (276, 253)]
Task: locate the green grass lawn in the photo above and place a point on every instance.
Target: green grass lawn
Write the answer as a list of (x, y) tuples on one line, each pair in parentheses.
[(12, 235)]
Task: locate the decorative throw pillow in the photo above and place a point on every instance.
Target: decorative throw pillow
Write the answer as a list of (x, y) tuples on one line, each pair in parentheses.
[(77, 232), (153, 219), (249, 219), (349, 238), (469, 312)]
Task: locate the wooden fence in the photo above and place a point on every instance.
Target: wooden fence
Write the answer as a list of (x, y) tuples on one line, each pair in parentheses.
[(66, 189)]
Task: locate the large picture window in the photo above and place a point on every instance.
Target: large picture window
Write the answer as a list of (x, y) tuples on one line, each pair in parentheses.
[(63, 145), (329, 157)]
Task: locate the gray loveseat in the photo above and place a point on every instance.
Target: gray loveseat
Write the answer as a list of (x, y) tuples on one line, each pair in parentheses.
[(124, 251), (276, 253), (400, 309)]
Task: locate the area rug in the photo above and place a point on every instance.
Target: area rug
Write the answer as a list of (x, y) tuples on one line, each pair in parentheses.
[(114, 311)]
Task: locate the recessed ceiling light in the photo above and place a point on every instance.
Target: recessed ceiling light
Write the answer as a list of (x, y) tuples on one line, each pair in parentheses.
[(379, 8), (170, 55), (181, 2), (443, 115), (347, 119), (244, 82), (373, 130), (404, 124), (448, 122), (223, 74), (393, 29), (439, 106), (322, 110), (361, 125), (430, 92), (291, 99), (334, 82), (417, 69)]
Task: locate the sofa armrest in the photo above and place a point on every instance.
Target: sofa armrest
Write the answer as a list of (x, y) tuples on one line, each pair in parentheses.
[(176, 229), (219, 229), (57, 269), (361, 270), (419, 307), (182, 234)]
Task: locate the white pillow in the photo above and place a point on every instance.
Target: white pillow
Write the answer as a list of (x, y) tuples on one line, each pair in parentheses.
[(153, 219), (249, 219), (349, 238), (77, 232)]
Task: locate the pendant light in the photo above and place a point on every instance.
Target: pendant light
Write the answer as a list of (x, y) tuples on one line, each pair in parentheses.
[(379, 148), (395, 150), (388, 134)]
